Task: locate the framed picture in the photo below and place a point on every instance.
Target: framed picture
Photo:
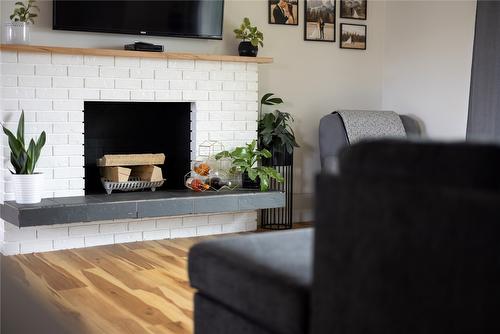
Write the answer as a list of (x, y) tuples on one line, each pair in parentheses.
[(353, 36), (319, 16), (353, 9), (284, 12)]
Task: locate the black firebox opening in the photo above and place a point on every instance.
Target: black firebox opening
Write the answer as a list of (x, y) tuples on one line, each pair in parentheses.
[(138, 127)]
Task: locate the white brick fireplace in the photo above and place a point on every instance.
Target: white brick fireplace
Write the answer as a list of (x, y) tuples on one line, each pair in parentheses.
[(51, 88)]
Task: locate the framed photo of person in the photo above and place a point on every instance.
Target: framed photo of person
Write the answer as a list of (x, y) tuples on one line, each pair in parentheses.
[(353, 36), (353, 9), (319, 16), (284, 12)]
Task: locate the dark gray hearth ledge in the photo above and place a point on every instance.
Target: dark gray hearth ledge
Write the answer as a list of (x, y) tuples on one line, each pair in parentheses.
[(65, 210)]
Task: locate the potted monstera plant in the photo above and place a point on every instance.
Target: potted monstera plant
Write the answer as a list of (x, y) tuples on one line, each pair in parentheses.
[(246, 160), (18, 30), (250, 37), (28, 185)]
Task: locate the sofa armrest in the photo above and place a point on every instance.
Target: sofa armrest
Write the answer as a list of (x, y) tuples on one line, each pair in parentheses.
[(413, 127), (332, 138)]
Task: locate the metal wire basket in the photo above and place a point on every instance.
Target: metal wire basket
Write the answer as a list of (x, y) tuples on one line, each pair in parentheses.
[(133, 184)]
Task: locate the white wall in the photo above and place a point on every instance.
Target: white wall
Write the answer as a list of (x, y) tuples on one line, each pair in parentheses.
[(427, 63), (314, 78)]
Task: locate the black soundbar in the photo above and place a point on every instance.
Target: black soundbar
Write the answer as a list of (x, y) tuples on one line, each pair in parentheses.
[(142, 46)]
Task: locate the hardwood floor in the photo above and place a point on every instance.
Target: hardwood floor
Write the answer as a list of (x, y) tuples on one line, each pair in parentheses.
[(127, 288)]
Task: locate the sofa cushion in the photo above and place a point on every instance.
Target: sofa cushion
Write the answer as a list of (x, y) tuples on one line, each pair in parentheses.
[(461, 165), (264, 277)]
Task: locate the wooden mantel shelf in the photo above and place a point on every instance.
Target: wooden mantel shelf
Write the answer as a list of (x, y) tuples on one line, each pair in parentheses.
[(125, 53)]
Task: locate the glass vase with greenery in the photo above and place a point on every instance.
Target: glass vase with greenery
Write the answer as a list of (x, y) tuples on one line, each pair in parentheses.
[(18, 30), (246, 160)]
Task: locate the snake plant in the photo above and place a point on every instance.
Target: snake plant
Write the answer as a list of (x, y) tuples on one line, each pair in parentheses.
[(23, 158)]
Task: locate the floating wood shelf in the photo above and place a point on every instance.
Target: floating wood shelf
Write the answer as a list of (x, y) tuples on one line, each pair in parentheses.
[(125, 53)]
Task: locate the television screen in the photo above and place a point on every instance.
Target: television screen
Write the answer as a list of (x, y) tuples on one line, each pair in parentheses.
[(178, 18)]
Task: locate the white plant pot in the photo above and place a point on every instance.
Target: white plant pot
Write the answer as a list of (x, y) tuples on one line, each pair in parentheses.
[(17, 33), (28, 187)]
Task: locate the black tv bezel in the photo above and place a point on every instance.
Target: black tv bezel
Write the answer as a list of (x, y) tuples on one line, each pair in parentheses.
[(135, 32)]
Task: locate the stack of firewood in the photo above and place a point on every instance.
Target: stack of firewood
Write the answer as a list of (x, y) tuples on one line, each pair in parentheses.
[(122, 167)]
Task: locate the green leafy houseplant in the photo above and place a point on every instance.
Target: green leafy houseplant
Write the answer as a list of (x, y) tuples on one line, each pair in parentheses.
[(246, 159), (275, 129), (249, 33), (23, 158), (25, 12)]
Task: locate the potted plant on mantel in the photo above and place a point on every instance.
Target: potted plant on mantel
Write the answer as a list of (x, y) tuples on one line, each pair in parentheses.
[(276, 133), (250, 37), (245, 160), (28, 185), (18, 30)]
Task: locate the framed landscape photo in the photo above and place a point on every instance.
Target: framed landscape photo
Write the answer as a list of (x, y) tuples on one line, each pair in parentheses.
[(353, 36), (353, 9), (284, 12), (319, 16)]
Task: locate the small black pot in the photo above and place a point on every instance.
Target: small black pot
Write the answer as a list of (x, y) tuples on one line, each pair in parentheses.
[(280, 157), (246, 49), (247, 183)]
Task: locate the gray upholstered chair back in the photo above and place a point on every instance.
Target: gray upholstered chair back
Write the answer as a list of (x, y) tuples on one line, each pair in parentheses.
[(333, 137)]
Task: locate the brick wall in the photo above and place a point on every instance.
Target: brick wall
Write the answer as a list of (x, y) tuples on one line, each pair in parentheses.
[(51, 89), (65, 236)]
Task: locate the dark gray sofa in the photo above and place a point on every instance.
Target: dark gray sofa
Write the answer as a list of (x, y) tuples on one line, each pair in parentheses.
[(406, 240)]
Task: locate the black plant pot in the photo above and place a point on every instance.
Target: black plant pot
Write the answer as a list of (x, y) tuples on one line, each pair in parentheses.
[(246, 49), (280, 157), (247, 183)]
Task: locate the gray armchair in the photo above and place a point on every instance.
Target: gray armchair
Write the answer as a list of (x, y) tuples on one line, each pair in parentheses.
[(333, 135)]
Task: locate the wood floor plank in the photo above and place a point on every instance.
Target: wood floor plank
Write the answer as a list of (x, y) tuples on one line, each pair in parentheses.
[(125, 299), (44, 297), (129, 256), (94, 307), (55, 276), (68, 259)]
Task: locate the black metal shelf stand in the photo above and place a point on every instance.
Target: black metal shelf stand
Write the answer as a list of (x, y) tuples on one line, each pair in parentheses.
[(280, 218)]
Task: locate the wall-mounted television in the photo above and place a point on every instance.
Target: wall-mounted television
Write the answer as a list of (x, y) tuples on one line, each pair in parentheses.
[(176, 18)]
